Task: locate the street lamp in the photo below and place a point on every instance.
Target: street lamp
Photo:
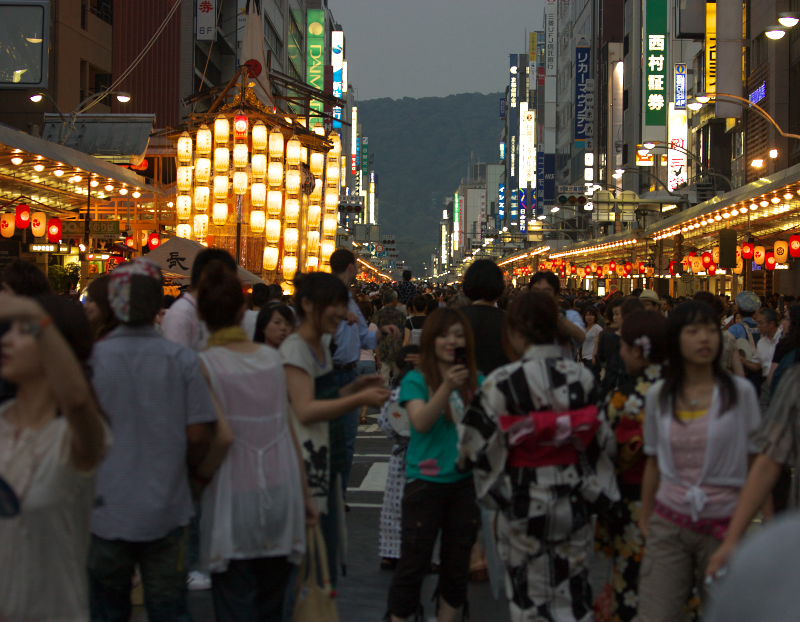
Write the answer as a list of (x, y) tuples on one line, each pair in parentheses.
[(696, 103), (788, 19), (775, 32)]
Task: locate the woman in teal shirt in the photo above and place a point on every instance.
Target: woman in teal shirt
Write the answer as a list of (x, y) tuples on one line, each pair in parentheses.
[(438, 495)]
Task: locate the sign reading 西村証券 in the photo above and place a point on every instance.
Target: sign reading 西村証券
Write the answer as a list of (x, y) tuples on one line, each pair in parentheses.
[(657, 67)]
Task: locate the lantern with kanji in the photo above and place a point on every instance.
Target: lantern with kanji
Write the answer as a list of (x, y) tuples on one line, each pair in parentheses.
[(759, 254), (38, 224), (697, 264), (23, 216), (748, 250), (7, 225), (769, 260), (588, 270), (739, 266), (599, 272), (794, 246), (54, 230), (153, 241), (781, 250)]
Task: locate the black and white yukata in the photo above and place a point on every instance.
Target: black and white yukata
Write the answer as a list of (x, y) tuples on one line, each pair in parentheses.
[(542, 482)]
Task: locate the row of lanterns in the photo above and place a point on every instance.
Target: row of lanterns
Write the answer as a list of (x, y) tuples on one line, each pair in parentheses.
[(594, 269), (708, 262), (22, 218)]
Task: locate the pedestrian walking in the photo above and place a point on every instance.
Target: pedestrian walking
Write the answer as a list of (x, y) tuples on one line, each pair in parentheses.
[(540, 453), (274, 324), (98, 308), (484, 285)]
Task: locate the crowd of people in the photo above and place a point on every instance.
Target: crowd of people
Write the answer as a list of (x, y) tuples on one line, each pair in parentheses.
[(210, 439)]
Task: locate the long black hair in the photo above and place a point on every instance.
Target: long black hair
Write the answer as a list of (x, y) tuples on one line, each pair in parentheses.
[(322, 290), (265, 316), (685, 314)]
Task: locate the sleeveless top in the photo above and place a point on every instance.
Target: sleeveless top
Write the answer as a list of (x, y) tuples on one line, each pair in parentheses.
[(253, 507)]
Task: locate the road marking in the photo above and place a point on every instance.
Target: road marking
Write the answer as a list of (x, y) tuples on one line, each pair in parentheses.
[(369, 428), (365, 505), (384, 456), (375, 479)]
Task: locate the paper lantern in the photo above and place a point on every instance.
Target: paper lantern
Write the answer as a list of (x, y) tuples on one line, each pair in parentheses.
[(221, 187), (707, 259), (292, 212), (331, 201), (312, 240), (738, 252), (329, 226), (258, 220), (23, 216), (276, 144), (332, 173), (240, 183), (38, 224), (293, 181), (273, 230), (219, 214), (599, 271), (270, 257), (781, 250), (628, 268), (185, 148), (153, 241), (259, 136), (739, 266), (275, 174), (769, 260), (258, 195), (130, 242), (201, 226), (143, 237), (317, 163), (715, 254), (573, 269), (293, 152), (54, 230), (203, 140), (258, 165), (748, 250), (291, 237), (274, 202), (7, 225), (222, 130), (222, 159), (326, 250), (314, 215), (642, 267), (240, 155), (202, 170), (794, 246), (202, 198), (759, 254), (240, 126), (183, 207), (588, 270), (183, 178), (697, 264), (316, 193), (711, 269), (312, 263), (183, 231), (289, 267), (673, 267), (612, 265)]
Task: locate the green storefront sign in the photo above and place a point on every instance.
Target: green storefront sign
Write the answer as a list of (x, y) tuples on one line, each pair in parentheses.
[(315, 60), (656, 55)]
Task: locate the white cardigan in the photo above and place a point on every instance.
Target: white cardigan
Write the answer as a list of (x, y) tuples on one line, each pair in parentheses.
[(730, 440)]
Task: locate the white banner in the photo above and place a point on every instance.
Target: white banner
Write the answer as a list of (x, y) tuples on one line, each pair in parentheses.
[(527, 146), (206, 20)]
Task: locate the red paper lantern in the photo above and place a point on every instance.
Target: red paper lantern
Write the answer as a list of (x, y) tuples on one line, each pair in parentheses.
[(794, 246), (129, 242), (23, 219), (673, 267), (628, 268), (769, 260), (588, 269), (612, 265), (573, 270), (748, 250), (54, 230), (599, 271), (240, 126), (642, 267), (711, 269), (708, 259), (154, 241)]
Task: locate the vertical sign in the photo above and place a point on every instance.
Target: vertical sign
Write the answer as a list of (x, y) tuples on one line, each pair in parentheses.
[(501, 202), (550, 10), (711, 48), (365, 155), (584, 94), (337, 63), (354, 140), (677, 160), (527, 145), (655, 50), (206, 20), (456, 222), (315, 60), (681, 78), (513, 137)]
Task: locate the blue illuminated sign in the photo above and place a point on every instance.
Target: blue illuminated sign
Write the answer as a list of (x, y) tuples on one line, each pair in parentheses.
[(759, 94), (681, 82), (501, 201)]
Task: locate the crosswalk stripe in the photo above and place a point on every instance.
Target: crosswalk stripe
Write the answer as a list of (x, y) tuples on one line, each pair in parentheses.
[(375, 479)]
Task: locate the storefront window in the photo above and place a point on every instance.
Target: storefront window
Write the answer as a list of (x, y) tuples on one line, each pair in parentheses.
[(24, 41)]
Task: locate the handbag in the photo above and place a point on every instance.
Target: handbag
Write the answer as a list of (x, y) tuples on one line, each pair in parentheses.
[(315, 602)]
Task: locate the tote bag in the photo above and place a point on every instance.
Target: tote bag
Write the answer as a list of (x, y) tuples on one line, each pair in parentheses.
[(315, 602)]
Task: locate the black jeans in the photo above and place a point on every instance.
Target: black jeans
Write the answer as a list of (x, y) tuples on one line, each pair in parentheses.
[(427, 508), (251, 590)]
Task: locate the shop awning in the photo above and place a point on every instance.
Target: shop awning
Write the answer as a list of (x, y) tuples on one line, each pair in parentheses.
[(118, 137)]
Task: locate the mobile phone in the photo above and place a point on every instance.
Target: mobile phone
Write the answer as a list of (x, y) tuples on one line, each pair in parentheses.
[(460, 356)]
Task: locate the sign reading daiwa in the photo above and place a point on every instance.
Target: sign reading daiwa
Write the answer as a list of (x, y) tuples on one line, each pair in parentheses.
[(337, 63), (315, 60)]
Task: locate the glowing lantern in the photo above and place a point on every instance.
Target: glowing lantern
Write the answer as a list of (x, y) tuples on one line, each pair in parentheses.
[(130, 242), (628, 268), (331, 201), (240, 155), (769, 260), (201, 226), (781, 250), (329, 226), (697, 264), (183, 207), (202, 170), (202, 198), (38, 224), (316, 193), (274, 202), (154, 241), (739, 266), (219, 214), (276, 144), (314, 215), (273, 230), (313, 241), (293, 181), (642, 267), (240, 182), (673, 267), (612, 265), (292, 210), (794, 246), (54, 230), (293, 152), (259, 136), (289, 267), (183, 231), (203, 139), (588, 270), (258, 194), (290, 239), (573, 269), (7, 225), (599, 271), (759, 254), (221, 187), (337, 143), (707, 259), (333, 173), (258, 165), (748, 250), (317, 162), (222, 159), (275, 174), (240, 127), (327, 247), (715, 254), (185, 148), (183, 178), (711, 269), (312, 263), (258, 220), (222, 130), (23, 216), (270, 257)]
